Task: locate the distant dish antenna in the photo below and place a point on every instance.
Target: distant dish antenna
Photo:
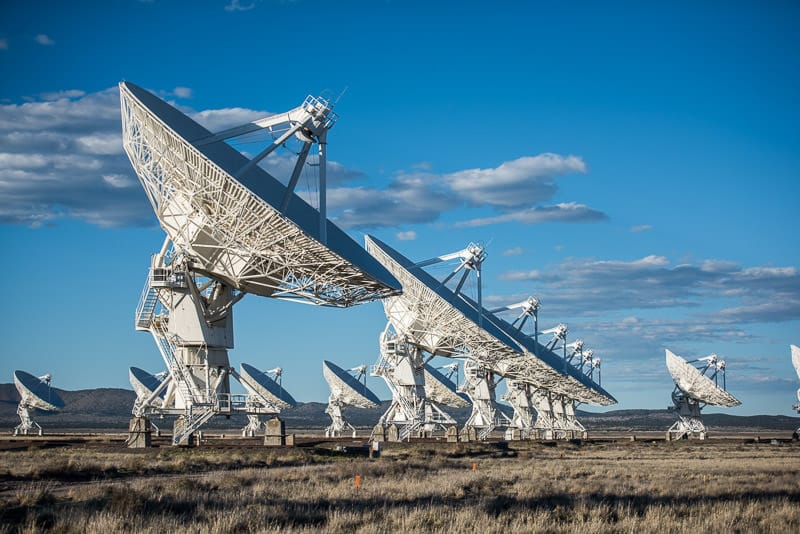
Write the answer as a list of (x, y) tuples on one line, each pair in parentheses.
[(346, 390), (149, 389), (232, 229), (35, 393), (697, 384), (266, 396)]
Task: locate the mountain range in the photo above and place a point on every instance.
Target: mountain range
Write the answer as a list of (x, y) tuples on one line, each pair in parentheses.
[(110, 409)]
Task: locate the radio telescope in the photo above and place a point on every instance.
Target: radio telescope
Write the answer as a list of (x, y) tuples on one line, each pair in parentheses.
[(539, 412), (266, 395), (796, 363), (431, 317), (149, 389), (695, 389), (346, 390), (232, 228), (144, 385), (34, 393)]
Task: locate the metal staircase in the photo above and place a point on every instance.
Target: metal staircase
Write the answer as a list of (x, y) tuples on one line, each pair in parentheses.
[(197, 416), (146, 307)]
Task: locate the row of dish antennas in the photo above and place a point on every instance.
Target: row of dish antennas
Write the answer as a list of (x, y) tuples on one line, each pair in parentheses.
[(471, 259), (35, 393), (574, 353)]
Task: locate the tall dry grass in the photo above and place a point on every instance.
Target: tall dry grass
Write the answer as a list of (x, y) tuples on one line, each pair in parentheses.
[(625, 487)]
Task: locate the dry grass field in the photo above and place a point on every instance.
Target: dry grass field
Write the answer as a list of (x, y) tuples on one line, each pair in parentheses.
[(99, 487)]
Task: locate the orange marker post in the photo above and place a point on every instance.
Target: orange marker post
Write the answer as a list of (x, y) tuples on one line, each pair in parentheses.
[(474, 467), (358, 481)]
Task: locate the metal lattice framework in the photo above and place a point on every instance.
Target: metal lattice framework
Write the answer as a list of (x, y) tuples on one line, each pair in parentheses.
[(697, 385), (232, 229), (439, 327), (693, 391), (231, 233)]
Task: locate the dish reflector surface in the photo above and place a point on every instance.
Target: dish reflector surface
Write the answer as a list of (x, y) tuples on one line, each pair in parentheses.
[(231, 227), (442, 390), (350, 390), (696, 384), (36, 393), (143, 383), (266, 386), (444, 323), (796, 358)]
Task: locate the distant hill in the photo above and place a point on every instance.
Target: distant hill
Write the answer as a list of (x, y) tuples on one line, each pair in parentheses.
[(110, 408)]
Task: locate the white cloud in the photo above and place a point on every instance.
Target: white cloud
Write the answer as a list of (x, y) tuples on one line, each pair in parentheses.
[(61, 157), (44, 40), (59, 95), (514, 251), (410, 235), (182, 92), (641, 228), (236, 5), (407, 200), (221, 119), (563, 212), (741, 295), (118, 181), (513, 184)]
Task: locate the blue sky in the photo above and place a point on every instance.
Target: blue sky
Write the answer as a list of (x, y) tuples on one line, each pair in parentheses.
[(634, 166)]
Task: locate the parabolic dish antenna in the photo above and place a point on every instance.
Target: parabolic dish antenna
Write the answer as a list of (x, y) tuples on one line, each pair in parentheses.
[(264, 385), (34, 393), (233, 228), (345, 387), (697, 385), (694, 390), (346, 390), (238, 223), (442, 390), (143, 383), (446, 324)]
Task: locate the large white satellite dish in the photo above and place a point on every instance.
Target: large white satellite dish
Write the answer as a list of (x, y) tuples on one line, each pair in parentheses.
[(237, 222), (346, 390), (232, 228), (35, 393), (694, 390)]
